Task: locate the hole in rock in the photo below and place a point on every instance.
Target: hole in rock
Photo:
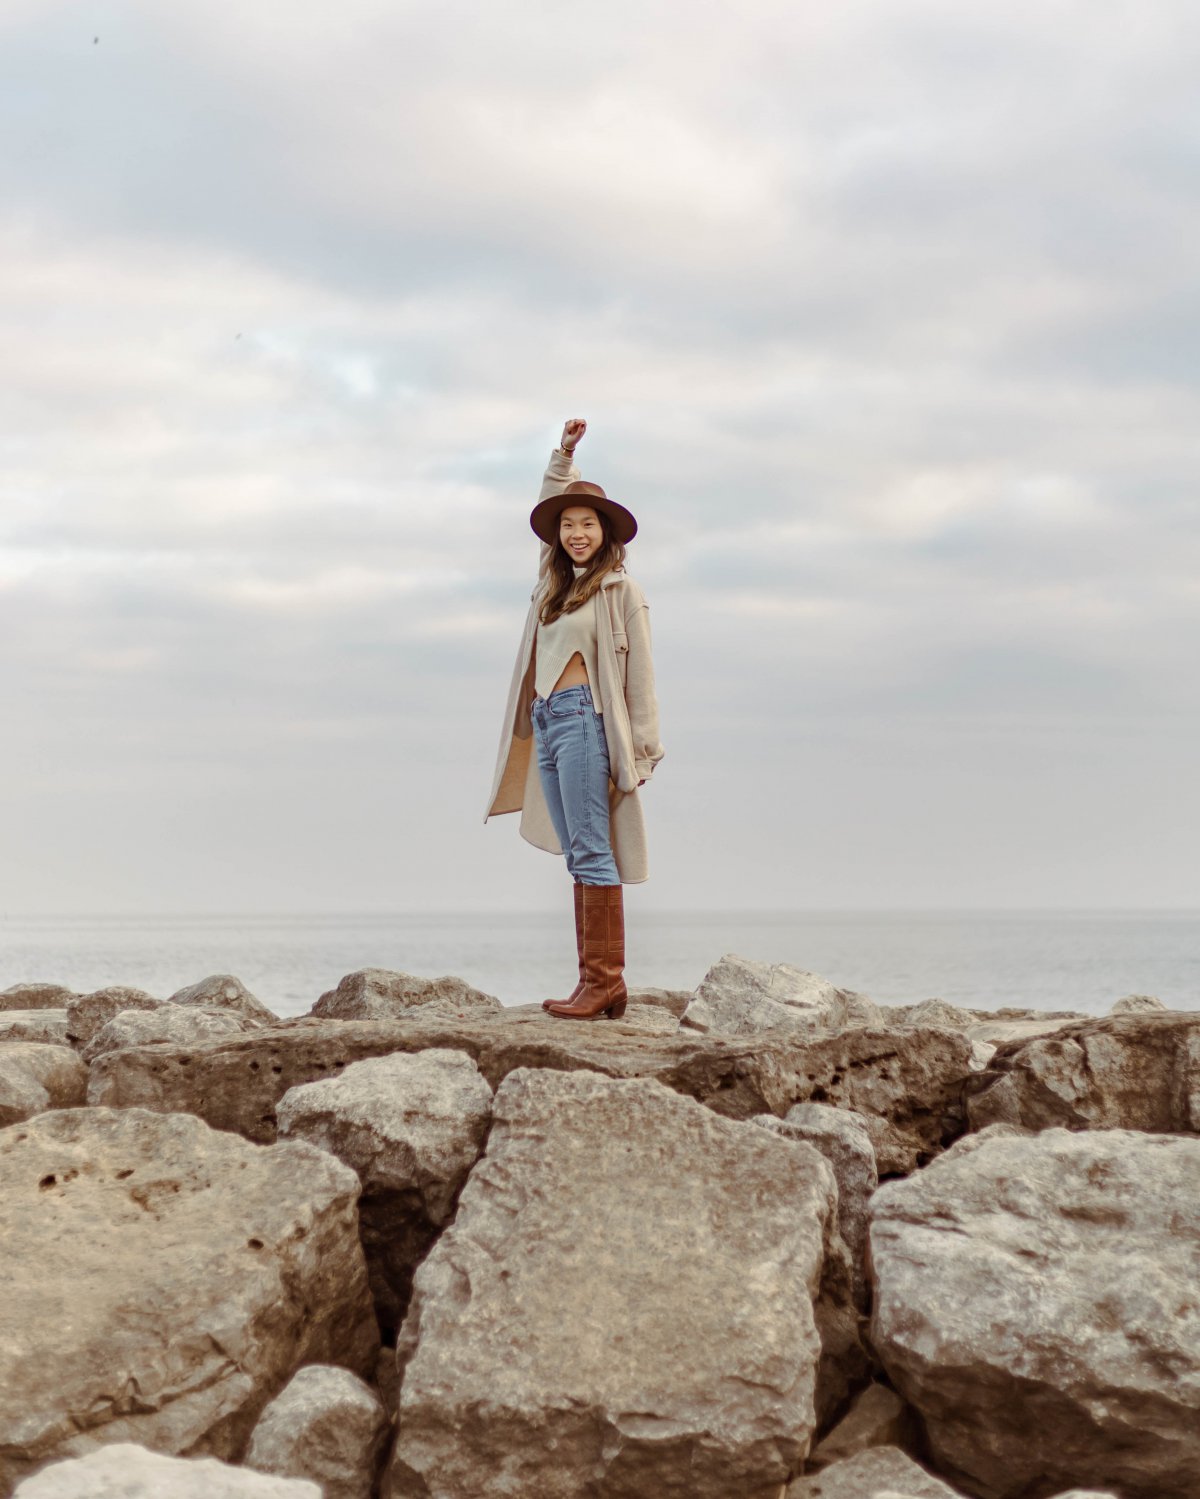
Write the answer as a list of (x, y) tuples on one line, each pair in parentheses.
[(121, 1175), (47, 1181), (254, 1243)]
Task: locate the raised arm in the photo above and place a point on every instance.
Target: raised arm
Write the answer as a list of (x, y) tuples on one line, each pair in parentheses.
[(560, 472)]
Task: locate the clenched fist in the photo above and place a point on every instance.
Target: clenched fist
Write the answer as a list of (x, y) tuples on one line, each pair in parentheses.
[(573, 434)]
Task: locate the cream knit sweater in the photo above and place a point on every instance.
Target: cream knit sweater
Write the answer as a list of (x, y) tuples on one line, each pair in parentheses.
[(558, 641)]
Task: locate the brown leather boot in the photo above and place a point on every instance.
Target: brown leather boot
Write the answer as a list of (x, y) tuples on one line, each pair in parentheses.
[(604, 991), (578, 989)]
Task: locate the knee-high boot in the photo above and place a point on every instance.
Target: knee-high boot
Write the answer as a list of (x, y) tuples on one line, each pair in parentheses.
[(578, 989), (604, 991)]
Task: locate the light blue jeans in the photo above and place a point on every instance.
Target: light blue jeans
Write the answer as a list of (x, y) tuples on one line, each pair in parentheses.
[(572, 757)]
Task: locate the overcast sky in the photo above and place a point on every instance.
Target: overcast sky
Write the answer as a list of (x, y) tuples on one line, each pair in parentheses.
[(885, 316)]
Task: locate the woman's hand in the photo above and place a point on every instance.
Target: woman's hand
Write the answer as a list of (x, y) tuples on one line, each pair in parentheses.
[(573, 434)]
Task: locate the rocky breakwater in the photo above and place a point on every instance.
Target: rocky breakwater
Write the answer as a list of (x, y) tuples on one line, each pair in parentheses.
[(776, 1239)]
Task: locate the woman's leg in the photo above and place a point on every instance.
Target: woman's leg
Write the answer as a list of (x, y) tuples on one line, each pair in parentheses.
[(575, 738), (548, 771)]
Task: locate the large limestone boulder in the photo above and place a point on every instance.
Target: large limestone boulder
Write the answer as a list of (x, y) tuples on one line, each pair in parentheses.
[(222, 991), (325, 1425), (35, 1077), (128, 1471), (844, 1139), (741, 996), (170, 1025), (411, 1127), (89, 1013), (163, 1280), (622, 1306), (871, 1475), (907, 1083), (380, 994), (1035, 1300), (1139, 1071), (35, 997), (42, 1027)]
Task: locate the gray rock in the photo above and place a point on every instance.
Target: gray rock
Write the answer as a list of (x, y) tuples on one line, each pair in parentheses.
[(877, 1418), (622, 1305), (125, 1470), (939, 1015), (908, 1083), (42, 1027), (380, 994), (1138, 1071), (870, 1475), (844, 1139), (222, 991), (741, 996), (35, 997), (1138, 1004), (996, 1032), (162, 1280), (411, 1127), (169, 1024), (326, 1425), (1036, 1302), (89, 1013), (35, 1076)]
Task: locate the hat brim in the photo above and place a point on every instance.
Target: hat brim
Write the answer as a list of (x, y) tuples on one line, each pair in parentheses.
[(544, 517)]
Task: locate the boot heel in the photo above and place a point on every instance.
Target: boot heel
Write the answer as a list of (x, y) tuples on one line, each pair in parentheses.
[(615, 1010)]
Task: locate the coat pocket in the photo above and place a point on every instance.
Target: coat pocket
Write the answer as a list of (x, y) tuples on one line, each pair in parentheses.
[(621, 646)]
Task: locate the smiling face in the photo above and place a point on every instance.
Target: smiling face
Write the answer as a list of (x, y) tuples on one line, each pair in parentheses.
[(579, 534)]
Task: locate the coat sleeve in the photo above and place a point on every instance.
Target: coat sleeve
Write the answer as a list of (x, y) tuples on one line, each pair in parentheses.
[(560, 472), (640, 699)]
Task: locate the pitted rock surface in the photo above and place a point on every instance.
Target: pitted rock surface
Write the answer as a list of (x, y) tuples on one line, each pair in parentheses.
[(907, 1083), (163, 1280), (545, 1322), (1036, 1301)]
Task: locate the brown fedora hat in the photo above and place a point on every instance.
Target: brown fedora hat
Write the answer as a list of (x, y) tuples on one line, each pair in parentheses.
[(544, 519)]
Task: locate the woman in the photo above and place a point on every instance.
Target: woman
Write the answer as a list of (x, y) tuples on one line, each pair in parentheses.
[(581, 727)]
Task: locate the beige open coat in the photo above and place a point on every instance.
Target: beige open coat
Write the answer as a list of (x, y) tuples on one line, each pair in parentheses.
[(628, 708)]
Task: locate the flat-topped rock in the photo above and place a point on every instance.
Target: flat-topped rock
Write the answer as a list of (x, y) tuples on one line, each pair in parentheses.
[(43, 1027), (907, 1083), (89, 1013), (162, 1280), (35, 997), (1035, 1301), (622, 1305), (171, 1025), (1135, 1071)]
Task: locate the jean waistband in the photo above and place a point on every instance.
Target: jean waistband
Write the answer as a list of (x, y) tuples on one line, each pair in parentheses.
[(583, 692)]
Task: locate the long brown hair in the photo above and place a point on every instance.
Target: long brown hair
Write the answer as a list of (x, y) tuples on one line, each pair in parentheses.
[(565, 592)]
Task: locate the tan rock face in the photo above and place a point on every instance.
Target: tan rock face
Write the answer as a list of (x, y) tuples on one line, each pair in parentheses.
[(1139, 1071), (410, 1127), (35, 997), (877, 1418), (1036, 1302), (41, 1027), (164, 1280), (173, 1025), (128, 1471), (380, 994), (35, 1077), (908, 1083), (327, 1426), (222, 991), (88, 1013), (552, 1348), (871, 1474), (742, 996)]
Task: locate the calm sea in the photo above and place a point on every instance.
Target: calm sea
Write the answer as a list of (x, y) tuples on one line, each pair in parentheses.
[(1078, 960)]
